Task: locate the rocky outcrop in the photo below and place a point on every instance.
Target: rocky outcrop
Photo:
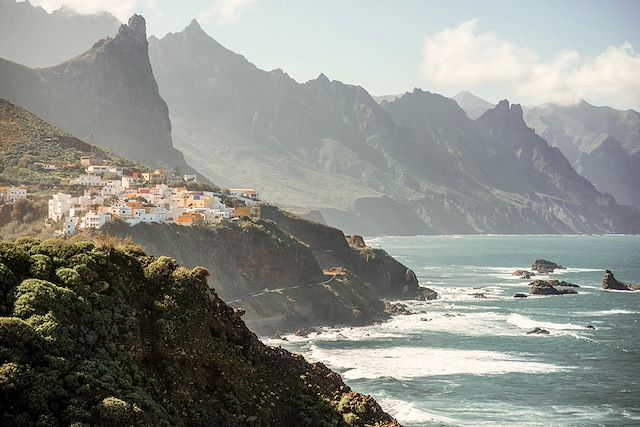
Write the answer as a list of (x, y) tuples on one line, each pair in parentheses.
[(107, 96), (523, 274), (519, 295), (155, 347), (396, 309), (538, 331), (550, 287), (544, 266), (610, 282), (386, 277), (257, 266)]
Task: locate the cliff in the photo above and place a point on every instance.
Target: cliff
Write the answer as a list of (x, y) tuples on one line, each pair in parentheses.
[(385, 276), (99, 333), (259, 267)]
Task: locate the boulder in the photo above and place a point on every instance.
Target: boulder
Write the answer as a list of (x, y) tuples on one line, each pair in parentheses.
[(356, 241), (610, 282), (478, 295), (538, 331), (426, 294), (523, 274), (396, 309), (519, 296), (544, 266), (548, 287)]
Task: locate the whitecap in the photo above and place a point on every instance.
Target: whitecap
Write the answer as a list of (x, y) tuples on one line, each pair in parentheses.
[(527, 323), (605, 312), (417, 362), (406, 412)]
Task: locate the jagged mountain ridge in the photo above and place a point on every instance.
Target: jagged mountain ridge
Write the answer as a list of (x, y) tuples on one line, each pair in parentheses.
[(473, 105), (31, 36), (107, 96), (414, 165)]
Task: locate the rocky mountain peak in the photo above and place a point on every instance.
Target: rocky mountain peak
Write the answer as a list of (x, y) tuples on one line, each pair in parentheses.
[(322, 78), (504, 116), (134, 30), (195, 28)]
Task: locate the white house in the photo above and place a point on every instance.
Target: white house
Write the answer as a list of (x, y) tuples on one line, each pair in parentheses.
[(190, 178), (59, 205), (94, 220), (88, 180), (70, 225), (11, 194), (105, 169)]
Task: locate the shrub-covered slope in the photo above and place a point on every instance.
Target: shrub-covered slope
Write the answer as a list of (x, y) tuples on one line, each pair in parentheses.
[(258, 266), (100, 333)]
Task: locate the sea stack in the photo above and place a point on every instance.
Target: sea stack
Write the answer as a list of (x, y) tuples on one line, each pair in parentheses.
[(544, 266), (610, 282)]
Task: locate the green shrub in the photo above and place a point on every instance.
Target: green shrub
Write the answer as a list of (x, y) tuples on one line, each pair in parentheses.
[(41, 266), (35, 296), (69, 277)]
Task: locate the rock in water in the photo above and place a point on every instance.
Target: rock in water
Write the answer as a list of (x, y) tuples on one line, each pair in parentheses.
[(610, 282), (426, 294), (548, 287), (396, 309), (538, 331), (523, 274), (544, 266), (519, 296)]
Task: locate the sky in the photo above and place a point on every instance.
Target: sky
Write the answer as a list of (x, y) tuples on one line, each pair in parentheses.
[(530, 52)]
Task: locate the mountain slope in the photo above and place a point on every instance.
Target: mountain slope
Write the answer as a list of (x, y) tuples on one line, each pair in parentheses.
[(473, 105), (602, 143), (107, 95), (33, 37), (99, 333), (416, 165)]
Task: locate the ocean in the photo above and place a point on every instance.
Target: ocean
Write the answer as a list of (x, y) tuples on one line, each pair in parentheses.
[(464, 360)]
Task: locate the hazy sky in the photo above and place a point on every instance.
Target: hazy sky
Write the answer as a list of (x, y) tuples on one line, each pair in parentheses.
[(527, 51)]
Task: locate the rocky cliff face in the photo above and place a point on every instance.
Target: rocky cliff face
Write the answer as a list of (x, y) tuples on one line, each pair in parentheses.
[(31, 36), (107, 96), (102, 334), (385, 276), (273, 276)]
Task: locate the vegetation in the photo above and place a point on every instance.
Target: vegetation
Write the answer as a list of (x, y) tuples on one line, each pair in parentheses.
[(25, 217), (99, 333), (25, 140)]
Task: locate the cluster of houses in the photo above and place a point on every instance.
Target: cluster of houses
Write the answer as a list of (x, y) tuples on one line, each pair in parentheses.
[(144, 197)]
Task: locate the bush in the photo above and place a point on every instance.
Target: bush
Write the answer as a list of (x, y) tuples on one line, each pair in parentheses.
[(35, 296), (41, 266)]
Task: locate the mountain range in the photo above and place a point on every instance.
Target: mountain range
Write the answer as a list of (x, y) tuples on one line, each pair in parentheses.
[(410, 164)]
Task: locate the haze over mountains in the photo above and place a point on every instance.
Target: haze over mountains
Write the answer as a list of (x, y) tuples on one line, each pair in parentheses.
[(33, 37), (412, 164)]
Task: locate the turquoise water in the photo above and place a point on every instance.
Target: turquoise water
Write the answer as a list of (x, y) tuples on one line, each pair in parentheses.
[(464, 360)]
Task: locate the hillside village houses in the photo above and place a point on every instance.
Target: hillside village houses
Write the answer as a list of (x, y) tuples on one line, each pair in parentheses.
[(147, 197)]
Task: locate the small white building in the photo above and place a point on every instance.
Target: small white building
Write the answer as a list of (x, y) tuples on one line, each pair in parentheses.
[(88, 180), (11, 194), (104, 169), (190, 178), (94, 220), (70, 225), (59, 205)]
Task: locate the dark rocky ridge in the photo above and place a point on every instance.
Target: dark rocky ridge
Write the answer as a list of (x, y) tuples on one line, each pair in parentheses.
[(248, 258), (610, 282), (387, 277), (101, 334), (107, 96)]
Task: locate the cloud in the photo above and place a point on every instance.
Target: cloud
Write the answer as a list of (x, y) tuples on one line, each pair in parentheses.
[(464, 58), (121, 9), (225, 11)]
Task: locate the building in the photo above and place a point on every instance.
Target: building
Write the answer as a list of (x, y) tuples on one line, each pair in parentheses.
[(252, 212), (189, 178), (70, 225), (94, 220), (90, 160), (11, 194), (59, 206), (247, 193), (88, 180), (105, 169)]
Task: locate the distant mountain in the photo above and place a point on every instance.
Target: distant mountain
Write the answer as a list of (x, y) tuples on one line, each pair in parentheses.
[(31, 36), (107, 96), (473, 105), (417, 164), (602, 143)]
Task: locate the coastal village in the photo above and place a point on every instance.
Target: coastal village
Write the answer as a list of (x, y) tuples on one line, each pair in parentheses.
[(104, 193)]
